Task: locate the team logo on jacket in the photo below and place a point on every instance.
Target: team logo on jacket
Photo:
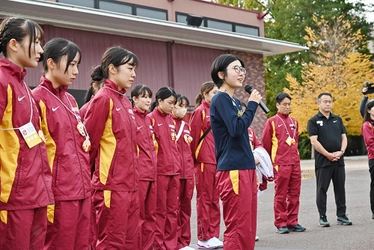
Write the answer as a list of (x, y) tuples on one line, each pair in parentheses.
[(320, 123)]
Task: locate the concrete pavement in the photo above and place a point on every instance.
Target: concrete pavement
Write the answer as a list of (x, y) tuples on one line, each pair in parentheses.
[(355, 237)]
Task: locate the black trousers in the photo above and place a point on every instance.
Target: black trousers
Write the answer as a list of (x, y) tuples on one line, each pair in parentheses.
[(324, 176), (371, 170)]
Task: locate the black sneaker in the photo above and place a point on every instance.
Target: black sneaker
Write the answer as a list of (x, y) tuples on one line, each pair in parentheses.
[(297, 228), (282, 230), (343, 220), (323, 221)]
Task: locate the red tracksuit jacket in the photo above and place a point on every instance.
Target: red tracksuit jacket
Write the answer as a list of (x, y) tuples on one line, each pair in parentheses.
[(274, 139), (168, 159), (68, 162), (110, 122), (184, 143), (147, 158), (25, 179), (199, 123), (367, 131)]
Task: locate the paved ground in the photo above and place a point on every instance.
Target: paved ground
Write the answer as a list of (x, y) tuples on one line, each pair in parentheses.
[(356, 237)]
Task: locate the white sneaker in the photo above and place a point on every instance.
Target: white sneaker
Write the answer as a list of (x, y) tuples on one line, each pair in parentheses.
[(216, 242), (205, 244), (187, 248), (257, 238)]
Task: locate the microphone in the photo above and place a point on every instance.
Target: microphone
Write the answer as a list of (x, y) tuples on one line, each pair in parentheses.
[(249, 89)]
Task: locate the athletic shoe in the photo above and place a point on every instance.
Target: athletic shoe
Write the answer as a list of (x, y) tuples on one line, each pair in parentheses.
[(297, 228), (216, 242), (187, 248), (282, 230), (343, 220), (257, 238), (206, 244), (323, 221)]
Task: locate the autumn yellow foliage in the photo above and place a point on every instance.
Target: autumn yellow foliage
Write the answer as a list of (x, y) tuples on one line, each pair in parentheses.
[(338, 69)]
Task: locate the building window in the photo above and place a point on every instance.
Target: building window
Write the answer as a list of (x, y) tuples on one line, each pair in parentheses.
[(116, 7), (181, 18), (219, 25), (85, 3), (151, 13), (222, 25), (248, 30)]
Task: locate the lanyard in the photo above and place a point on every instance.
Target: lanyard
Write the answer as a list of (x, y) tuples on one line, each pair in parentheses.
[(81, 128), (288, 133), (122, 94)]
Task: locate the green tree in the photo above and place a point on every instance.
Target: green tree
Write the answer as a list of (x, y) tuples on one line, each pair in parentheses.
[(336, 67), (287, 21), (245, 4)]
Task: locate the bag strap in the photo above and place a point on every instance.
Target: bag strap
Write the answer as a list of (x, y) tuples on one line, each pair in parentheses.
[(205, 134), (180, 131)]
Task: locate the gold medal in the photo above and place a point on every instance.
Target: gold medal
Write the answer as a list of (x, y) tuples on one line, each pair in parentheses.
[(290, 141), (81, 129), (86, 145)]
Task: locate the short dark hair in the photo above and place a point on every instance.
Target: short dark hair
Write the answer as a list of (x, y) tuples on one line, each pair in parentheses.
[(141, 90), (58, 47), (368, 106), (18, 28), (322, 94), (281, 96), (180, 98), (162, 94), (220, 65)]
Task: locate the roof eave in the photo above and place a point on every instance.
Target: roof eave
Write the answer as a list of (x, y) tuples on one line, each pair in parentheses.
[(95, 20)]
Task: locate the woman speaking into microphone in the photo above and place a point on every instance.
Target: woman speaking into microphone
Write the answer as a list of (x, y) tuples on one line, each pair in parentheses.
[(237, 180)]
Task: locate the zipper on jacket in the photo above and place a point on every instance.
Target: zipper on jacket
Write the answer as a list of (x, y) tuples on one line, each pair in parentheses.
[(76, 151), (131, 139)]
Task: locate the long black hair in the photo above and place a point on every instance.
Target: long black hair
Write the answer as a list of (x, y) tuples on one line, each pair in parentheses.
[(116, 56), (57, 48), (18, 28)]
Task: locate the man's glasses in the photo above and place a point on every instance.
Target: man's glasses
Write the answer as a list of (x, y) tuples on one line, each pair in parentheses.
[(239, 69)]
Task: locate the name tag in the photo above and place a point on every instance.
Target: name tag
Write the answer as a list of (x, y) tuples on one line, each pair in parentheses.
[(30, 135)]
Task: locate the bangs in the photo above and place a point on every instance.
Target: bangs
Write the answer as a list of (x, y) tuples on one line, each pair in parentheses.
[(131, 59), (71, 50), (35, 32)]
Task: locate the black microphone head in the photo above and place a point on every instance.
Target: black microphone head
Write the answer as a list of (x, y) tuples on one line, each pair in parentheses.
[(248, 89)]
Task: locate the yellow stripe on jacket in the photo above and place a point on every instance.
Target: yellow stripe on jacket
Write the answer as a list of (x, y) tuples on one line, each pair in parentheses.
[(9, 150), (274, 143), (201, 134), (108, 146), (50, 143)]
